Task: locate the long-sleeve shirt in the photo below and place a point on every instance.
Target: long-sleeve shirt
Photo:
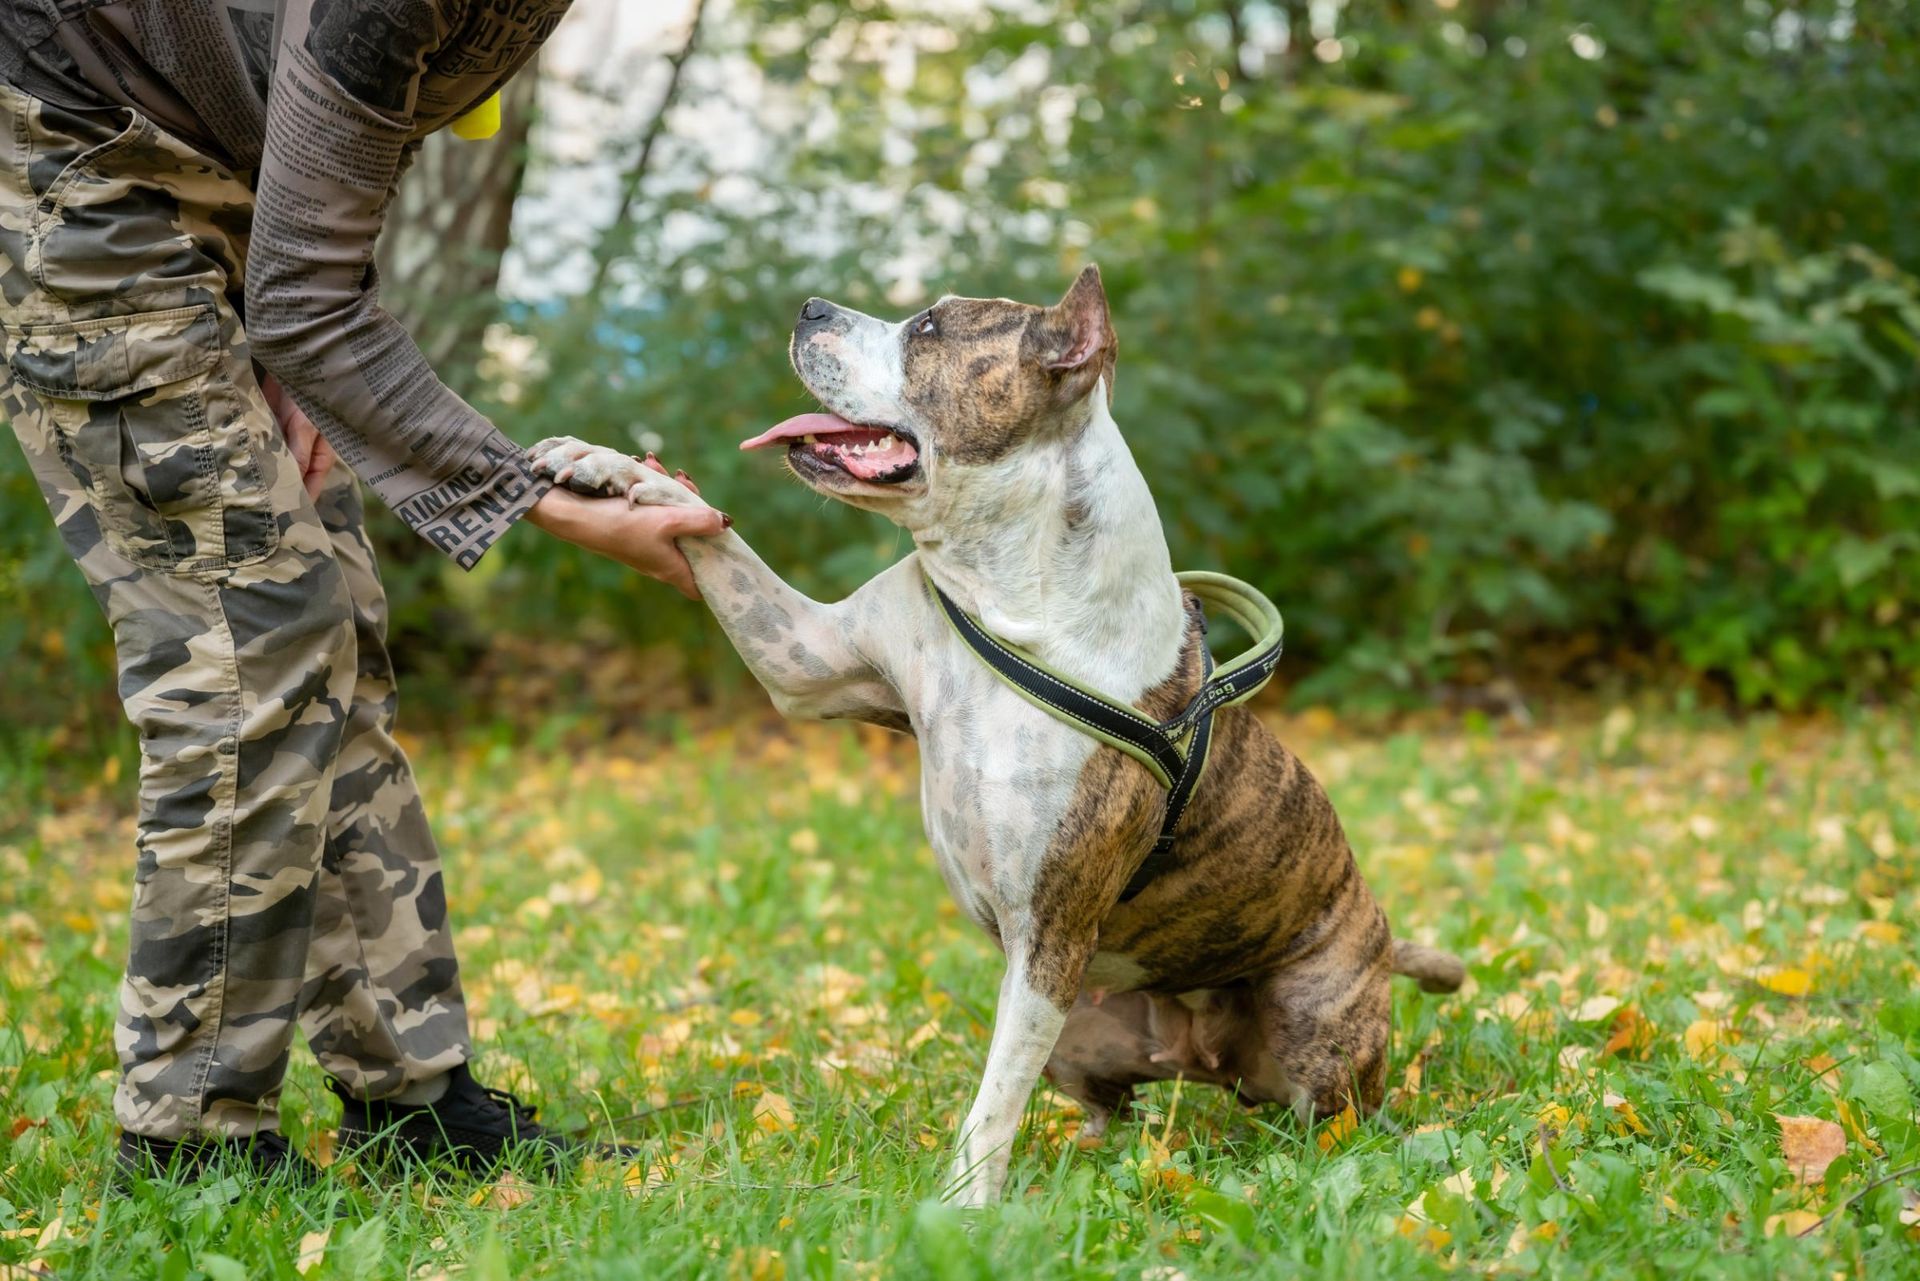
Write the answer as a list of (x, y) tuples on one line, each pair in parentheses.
[(317, 106)]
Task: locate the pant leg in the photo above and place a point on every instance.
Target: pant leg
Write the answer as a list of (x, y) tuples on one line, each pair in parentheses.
[(382, 1007), (128, 382)]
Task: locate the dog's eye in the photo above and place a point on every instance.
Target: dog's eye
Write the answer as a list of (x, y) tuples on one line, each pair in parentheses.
[(924, 327)]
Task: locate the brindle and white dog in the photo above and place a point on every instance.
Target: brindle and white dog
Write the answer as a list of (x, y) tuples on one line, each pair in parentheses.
[(1259, 961)]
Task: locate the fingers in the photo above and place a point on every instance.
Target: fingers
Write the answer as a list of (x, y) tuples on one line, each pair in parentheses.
[(319, 463), (687, 481), (693, 522), (652, 462)]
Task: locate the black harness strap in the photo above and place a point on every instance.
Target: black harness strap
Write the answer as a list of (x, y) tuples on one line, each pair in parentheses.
[(1178, 795), (1175, 750), (1066, 701)]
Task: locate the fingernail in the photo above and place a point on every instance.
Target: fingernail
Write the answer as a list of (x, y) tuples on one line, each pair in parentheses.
[(650, 458), (726, 521)]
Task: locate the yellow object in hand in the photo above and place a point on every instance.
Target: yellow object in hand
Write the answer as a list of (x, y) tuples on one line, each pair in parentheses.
[(480, 123)]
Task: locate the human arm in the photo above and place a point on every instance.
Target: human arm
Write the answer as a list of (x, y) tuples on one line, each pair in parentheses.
[(344, 110)]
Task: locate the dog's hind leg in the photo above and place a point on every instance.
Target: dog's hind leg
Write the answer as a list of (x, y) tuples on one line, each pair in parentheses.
[(1326, 1020)]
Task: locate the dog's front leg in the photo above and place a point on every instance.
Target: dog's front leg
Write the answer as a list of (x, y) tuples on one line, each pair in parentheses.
[(1042, 979), (807, 655)]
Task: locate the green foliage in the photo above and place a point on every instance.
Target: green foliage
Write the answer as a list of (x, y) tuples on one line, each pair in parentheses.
[(1551, 322), (1504, 339)]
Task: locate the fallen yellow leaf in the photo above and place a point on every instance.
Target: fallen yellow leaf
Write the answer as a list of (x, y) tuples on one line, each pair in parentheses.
[(772, 1113), (1429, 1235), (1790, 981), (1337, 1130), (1791, 1224), (1629, 1119), (1631, 1032), (508, 1194), (1810, 1145), (1704, 1039), (313, 1248), (1595, 1008)]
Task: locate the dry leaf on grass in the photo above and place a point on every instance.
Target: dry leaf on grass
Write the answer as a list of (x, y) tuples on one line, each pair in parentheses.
[(1790, 981), (1793, 1223), (1631, 1033), (1702, 1039), (1337, 1130), (1596, 1008), (508, 1193), (1853, 1120), (773, 1113), (313, 1249), (1810, 1145), (1625, 1117)]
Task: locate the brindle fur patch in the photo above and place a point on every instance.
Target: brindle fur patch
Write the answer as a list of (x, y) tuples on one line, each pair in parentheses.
[(970, 378), (1261, 906), (987, 375)]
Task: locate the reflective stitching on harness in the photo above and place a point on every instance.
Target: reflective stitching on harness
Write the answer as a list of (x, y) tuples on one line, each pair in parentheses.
[(1151, 737)]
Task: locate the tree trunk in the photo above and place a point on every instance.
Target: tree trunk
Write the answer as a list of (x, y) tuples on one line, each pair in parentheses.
[(439, 255)]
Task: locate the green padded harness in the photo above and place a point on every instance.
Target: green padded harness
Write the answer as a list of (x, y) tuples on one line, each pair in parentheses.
[(1174, 750)]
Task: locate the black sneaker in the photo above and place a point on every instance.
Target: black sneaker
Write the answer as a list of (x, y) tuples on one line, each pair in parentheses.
[(474, 1128), (266, 1157)]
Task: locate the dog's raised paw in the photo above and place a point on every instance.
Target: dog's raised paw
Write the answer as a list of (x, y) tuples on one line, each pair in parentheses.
[(593, 470)]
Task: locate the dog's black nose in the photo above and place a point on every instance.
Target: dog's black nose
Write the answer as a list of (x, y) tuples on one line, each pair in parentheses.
[(815, 310)]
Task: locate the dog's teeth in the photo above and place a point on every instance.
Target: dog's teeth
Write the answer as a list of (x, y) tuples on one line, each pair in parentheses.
[(886, 442), (810, 440)]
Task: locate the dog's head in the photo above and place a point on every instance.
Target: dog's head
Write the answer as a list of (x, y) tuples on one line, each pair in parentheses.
[(966, 384)]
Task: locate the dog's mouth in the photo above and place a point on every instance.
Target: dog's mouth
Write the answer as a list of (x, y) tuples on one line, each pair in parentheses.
[(825, 444)]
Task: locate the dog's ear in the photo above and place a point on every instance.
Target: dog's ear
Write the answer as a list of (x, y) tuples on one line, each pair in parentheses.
[(1077, 341)]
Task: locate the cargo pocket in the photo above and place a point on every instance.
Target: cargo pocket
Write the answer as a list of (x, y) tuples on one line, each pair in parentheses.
[(127, 400)]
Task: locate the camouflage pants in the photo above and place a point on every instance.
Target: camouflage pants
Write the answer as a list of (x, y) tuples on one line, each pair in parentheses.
[(285, 869)]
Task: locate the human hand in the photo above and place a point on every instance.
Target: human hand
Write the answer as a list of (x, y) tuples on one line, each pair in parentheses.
[(310, 450), (638, 535)]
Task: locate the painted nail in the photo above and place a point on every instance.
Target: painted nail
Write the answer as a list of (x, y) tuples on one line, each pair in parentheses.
[(726, 521)]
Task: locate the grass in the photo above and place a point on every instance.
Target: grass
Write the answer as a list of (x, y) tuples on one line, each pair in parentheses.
[(733, 944)]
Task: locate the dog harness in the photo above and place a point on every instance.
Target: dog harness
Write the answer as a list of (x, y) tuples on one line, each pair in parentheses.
[(1174, 750)]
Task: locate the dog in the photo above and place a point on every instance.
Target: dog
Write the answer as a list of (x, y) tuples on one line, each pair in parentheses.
[(1256, 958)]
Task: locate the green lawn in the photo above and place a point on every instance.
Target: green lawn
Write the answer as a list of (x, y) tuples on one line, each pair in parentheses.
[(733, 944)]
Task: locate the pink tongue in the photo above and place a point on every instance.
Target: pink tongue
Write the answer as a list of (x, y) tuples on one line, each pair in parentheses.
[(797, 426)]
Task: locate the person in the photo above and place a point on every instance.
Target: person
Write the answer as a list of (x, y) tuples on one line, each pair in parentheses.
[(192, 334)]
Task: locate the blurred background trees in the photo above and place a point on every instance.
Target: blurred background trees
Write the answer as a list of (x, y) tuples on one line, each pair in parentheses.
[(1503, 342)]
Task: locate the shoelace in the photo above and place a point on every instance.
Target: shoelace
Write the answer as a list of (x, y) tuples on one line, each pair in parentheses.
[(516, 1111)]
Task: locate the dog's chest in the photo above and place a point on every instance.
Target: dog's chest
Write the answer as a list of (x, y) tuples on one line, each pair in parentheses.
[(998, 778)]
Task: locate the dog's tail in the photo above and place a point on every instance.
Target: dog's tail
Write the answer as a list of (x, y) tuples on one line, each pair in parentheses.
[(1437, 971)]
